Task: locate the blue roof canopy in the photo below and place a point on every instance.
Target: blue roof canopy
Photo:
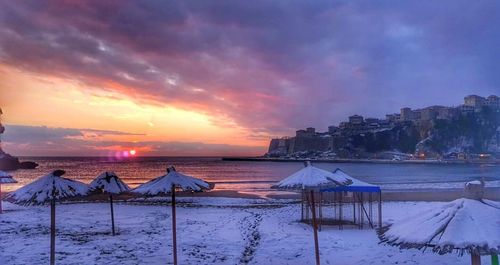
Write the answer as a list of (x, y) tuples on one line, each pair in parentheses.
[(352, 189)]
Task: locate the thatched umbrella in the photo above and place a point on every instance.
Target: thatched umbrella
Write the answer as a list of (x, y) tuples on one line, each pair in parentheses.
[(167, 184), (466, 225), (49, 189), (308, 180), (109, 183), (5, 178)]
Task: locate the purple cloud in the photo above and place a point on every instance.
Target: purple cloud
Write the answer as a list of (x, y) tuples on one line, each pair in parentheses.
[(272, 66)]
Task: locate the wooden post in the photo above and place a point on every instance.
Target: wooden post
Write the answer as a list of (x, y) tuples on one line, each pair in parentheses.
[(1, 198), (380, 209), (365, 212), (52, 231), (315, 229), (370, 206), (112, 214), (475, 259), (302, 208), (174, 233), (306, 209), (362, 216), (320, 210), (341, 210), (354, 208)]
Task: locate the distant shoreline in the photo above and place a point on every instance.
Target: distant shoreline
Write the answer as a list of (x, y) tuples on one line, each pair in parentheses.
[(367, 161)]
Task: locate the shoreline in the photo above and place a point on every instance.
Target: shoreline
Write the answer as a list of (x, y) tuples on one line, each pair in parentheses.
[(423, 195), (367, 161)]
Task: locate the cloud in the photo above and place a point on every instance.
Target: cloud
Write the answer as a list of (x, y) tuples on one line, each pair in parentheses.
[(42, 141), (270, 66), (24, 133)]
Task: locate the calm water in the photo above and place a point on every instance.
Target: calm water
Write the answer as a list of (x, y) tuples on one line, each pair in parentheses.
[(258, 176)]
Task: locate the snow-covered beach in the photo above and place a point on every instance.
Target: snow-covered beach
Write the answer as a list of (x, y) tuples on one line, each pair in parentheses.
[(211, 230), (259, 225)]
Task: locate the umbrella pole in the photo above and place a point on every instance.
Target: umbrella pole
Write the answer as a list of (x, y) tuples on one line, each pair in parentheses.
[(302, 207), (1, 198), (380, 210), (174, 228), (315, 229), (112, 214), (52, 231), (475, 259)]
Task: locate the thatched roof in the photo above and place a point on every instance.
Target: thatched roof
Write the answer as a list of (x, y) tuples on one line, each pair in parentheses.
[(463, 225), (48, 187), (163, 184), (108, 182), (311, 177), (6, 178)]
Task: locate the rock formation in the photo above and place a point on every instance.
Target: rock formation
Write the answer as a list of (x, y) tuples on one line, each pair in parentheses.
[(8, 162)]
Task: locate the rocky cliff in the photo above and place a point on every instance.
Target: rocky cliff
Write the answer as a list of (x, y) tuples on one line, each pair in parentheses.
[(472, 133)]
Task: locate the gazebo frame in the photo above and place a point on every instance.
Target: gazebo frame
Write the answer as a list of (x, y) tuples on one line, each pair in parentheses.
[(345, 206)]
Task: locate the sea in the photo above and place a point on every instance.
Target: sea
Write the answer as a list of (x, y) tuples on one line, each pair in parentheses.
[(257, 177)]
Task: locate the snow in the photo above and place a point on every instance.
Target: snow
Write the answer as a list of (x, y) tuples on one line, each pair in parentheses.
[(312, 177), (108, 182), (163, 184), (47, 187), (474, 182), (462, 223), (355, 182), (433, 185), (6, 178), (4, 174), (222, 231)]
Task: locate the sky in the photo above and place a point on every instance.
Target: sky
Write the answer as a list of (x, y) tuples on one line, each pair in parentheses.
[(210, 78)]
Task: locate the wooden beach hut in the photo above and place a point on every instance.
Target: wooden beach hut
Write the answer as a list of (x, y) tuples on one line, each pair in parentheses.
[(309, 181), (5, 178), (47, 190), (109, 183), (356, 204), (168, 184), (466, 225)]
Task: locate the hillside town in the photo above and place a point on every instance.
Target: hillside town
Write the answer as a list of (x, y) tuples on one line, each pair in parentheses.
[(410, 134)]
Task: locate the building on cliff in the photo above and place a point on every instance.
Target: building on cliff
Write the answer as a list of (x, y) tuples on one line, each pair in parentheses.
[(429, 113), (308, 140), (477, 102), (493, 102), (356, 119), (474, 101), (406, 131)]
